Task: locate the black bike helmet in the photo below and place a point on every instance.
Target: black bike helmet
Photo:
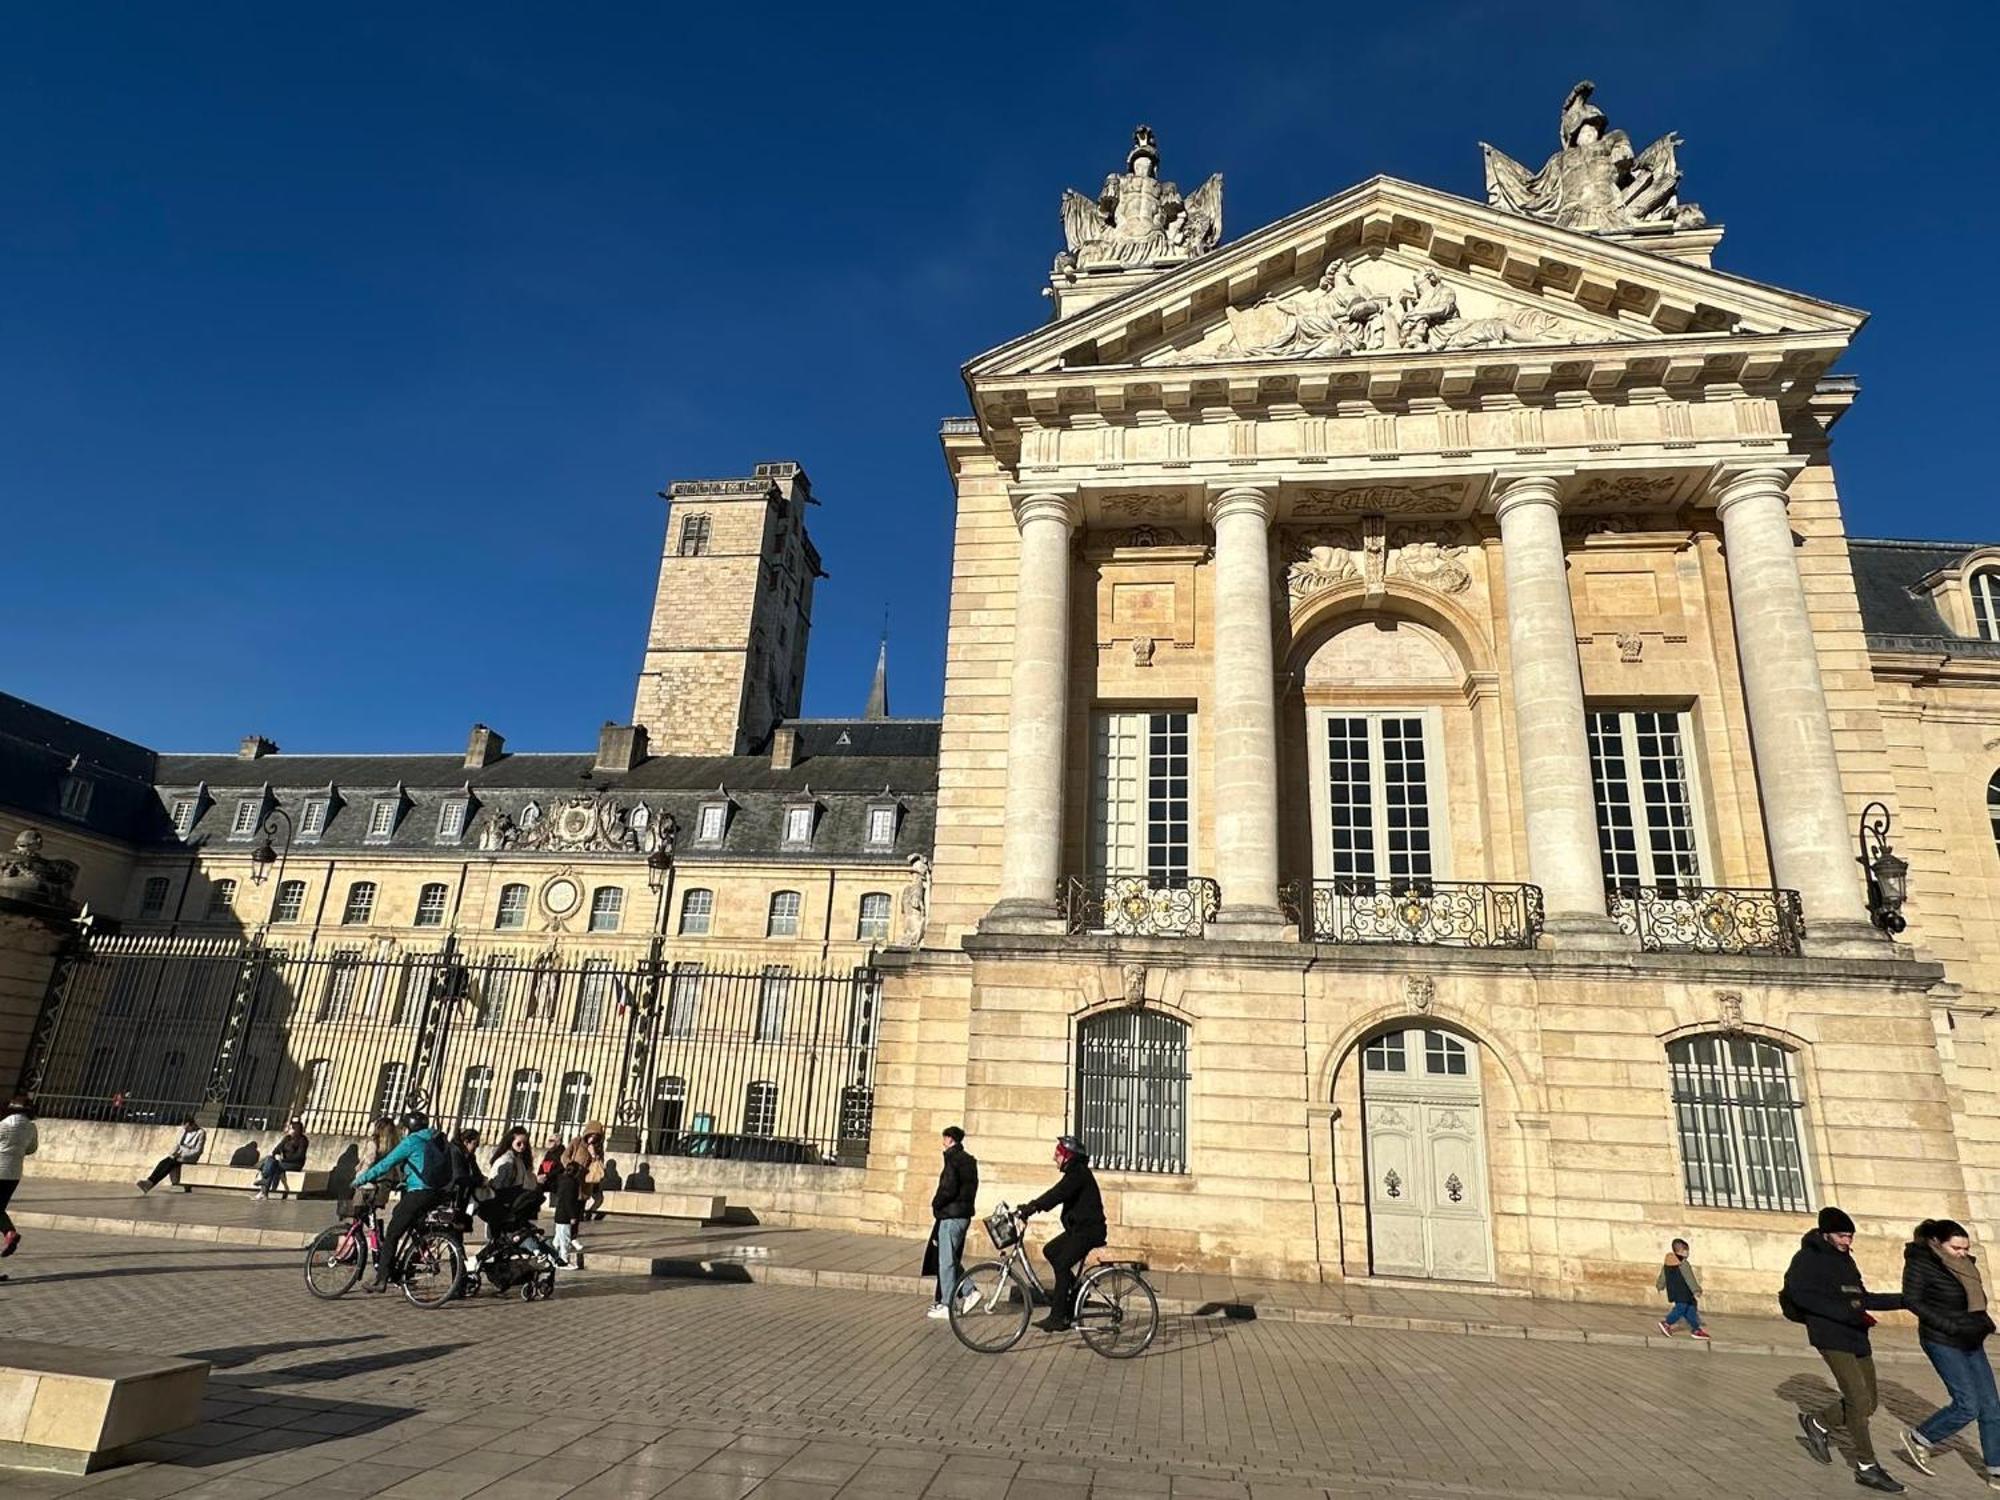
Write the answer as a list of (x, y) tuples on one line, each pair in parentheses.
[(1070, 1146), (415, 1119)]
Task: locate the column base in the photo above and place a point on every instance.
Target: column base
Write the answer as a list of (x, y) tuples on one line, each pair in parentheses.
[(1586, 931), (1848, 939), (1252, 924), (1022, 914)]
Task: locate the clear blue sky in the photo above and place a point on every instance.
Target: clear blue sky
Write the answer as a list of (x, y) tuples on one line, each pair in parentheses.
[(345, 347)]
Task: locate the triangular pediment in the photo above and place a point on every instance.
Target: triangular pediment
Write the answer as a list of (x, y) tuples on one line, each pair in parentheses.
[(1392, 274)]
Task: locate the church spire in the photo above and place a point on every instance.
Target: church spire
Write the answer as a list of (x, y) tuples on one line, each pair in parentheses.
[(878, 692)]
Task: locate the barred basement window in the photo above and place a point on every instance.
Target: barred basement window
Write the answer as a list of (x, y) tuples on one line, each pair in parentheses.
[(760, 1109), (432, 901), (291, 902), (1736, 1113), (1985, 585), (1132, 1091), (857, 1113)]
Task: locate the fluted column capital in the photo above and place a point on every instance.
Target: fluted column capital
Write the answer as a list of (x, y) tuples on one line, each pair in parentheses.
[(1242, 500), (1047, 505)]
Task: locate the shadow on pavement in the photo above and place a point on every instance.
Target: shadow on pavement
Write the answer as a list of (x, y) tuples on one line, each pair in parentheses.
[(242, 1423), (232, 1355), (204, 1267), (337, 1369)]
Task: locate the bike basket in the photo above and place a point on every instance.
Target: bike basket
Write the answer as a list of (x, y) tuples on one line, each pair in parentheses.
[(1004, 1229)]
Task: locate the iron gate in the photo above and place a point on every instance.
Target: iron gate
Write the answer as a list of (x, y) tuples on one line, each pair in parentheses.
[(761, 1062)]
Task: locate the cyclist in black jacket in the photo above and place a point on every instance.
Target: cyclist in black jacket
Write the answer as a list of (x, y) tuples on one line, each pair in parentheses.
[(1083, 1226)]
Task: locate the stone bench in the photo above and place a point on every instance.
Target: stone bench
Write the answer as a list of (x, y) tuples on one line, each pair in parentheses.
[(309, 1183), (71, 1409), (703, 1208)]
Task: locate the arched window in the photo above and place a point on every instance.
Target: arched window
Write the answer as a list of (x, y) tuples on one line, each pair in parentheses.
[(524, 1096), (1985, 587), (607, 908), (1993, 808), (1132, 1090), (760, 1109), (475, 1094), (291, 902), (221, 898), (697, 912), (874, 924), (432, 902), (574, 1103), (392, 1085), (1736, 1112), (669, 1108), (594, 990), (360, 904), (784, 922), (513, 908)]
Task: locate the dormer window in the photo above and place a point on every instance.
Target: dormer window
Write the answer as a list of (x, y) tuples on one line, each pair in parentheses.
[(451, 820), (1985, 588), (799, 820), (712, 823), (76, 792), (382, 819), (312, 818), (184, 808), (882, 820), (249, 811)]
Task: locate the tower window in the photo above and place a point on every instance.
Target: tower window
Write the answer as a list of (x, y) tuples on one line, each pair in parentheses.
[(694, 536)]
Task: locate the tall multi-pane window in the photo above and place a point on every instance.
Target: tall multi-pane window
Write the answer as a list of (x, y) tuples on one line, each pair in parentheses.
[(475, 1094), (684, 1000), (392, 1087), (184, 809), (248, 810), (874, 924), (573, 1103), (1132, 1090), (784, 921), (774, 991), (513, 908), (524, 1095), (1985, 586), (1736, 1113), (1382, 803), (360, 903), (221, 899), (607, 908), (312, 818), (881, 826), (760, 1109), (697, 912), (694, 536), (432, 903), (451, 821), (381, 820), (595, 993), (1142, 814), (291, 902), (1645, 808), (153, 896)]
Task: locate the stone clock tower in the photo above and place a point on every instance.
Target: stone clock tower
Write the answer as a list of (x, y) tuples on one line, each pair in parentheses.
[(726, 652)]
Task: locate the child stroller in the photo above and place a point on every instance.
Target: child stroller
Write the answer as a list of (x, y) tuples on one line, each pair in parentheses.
[(517, 1255)]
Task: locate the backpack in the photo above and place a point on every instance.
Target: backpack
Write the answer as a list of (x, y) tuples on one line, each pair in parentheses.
[(1792, 1311), (434, 1161)]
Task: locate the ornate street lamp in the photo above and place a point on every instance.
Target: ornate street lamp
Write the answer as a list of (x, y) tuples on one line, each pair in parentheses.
[(264, 856), (1888, 873), (658, 863)]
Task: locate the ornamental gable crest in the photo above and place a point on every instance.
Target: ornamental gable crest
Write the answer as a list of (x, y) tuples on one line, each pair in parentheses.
[(577, 825)]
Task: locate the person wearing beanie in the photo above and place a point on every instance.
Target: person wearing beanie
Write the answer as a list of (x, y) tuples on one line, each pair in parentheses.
[(1823, 1289)]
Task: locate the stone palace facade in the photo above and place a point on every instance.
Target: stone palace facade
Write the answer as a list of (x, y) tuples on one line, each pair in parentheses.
[(1417, 757)]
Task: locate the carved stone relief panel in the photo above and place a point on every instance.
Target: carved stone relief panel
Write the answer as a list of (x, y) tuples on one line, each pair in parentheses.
[(1378, 499)]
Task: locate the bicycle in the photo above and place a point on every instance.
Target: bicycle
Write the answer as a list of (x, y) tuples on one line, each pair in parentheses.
[(1116, 1310), (430, 1267)]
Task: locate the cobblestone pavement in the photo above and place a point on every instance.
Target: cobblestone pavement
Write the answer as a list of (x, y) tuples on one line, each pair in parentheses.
[(626, 1387)]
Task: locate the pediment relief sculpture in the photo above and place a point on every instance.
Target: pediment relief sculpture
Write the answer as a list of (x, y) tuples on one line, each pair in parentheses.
[(1595, 182), (1381, 307), (1366, 499), (1138, 220)]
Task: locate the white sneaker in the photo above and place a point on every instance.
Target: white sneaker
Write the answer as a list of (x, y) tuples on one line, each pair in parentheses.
[(1917, 1451), (938, 1310)]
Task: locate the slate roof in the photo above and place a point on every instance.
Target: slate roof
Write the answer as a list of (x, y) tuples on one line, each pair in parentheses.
[(38, 747), (1895, 616), (846, 765)]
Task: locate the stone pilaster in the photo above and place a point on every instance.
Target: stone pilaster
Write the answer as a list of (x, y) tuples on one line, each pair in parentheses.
[(1557, 799), (1812, 844), (1245, 717), (1031, 842)]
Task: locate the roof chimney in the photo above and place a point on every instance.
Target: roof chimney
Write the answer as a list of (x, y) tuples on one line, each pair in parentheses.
[(620, 747), (485, 747), (784, 748), (256, 747)]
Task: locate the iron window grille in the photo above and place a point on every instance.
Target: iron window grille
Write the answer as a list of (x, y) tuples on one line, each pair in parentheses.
[(1737, 1110), (1132, 1091)]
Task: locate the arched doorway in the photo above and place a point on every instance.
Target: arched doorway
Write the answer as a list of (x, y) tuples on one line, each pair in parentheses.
[(1424, 1141)]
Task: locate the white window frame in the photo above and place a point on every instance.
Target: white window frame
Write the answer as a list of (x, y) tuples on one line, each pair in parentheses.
[(1122, 775), (1654, 856), (278, 903), (76, 794), (1982, 586), (440, 910), (451, 820), (706, 912), (774, 999), (862, 924), (1435, 784), (574, 1096), (795, 917), (614, 909), (524, 1095), (184, 816), (502, 911), (367, 909), (312, 819), (475, 1093), (879, 812), (712, 815), (797, 813), (381, 820), (221, 898), (243, 822), (760, 1109)]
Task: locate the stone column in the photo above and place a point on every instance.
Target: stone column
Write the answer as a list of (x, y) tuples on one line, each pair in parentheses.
[(1812, 843), (1244, 715), (1037, 742), (1547, 688)]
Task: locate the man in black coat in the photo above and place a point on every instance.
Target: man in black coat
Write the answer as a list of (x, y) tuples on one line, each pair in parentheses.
[(1823, 1290), (952, 1206), (1084, 1229)]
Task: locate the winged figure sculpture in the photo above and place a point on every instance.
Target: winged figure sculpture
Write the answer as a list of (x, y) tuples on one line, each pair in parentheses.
[(1138, 220)]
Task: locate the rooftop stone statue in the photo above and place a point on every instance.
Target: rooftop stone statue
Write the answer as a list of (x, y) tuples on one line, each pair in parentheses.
[(1138, 220), (1594, 182)]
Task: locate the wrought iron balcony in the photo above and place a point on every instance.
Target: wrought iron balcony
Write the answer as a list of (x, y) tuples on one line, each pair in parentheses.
[(1141, 905), (1423, 913), (1710, 919)]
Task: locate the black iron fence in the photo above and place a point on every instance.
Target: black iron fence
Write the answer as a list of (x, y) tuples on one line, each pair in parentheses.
[(1141, 905), (1425, 913), (1711, 919), (763, 1063)]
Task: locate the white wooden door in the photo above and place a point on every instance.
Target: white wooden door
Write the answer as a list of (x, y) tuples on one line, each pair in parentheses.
[(1425, 1148)]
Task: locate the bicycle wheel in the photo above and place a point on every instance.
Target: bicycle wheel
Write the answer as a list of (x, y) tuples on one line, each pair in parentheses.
[(1117, 1313), (335, 1260), (990, 1309), (433, 1265)]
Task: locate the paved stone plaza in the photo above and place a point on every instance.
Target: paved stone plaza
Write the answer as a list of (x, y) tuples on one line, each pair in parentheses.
[(628, 1386)]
